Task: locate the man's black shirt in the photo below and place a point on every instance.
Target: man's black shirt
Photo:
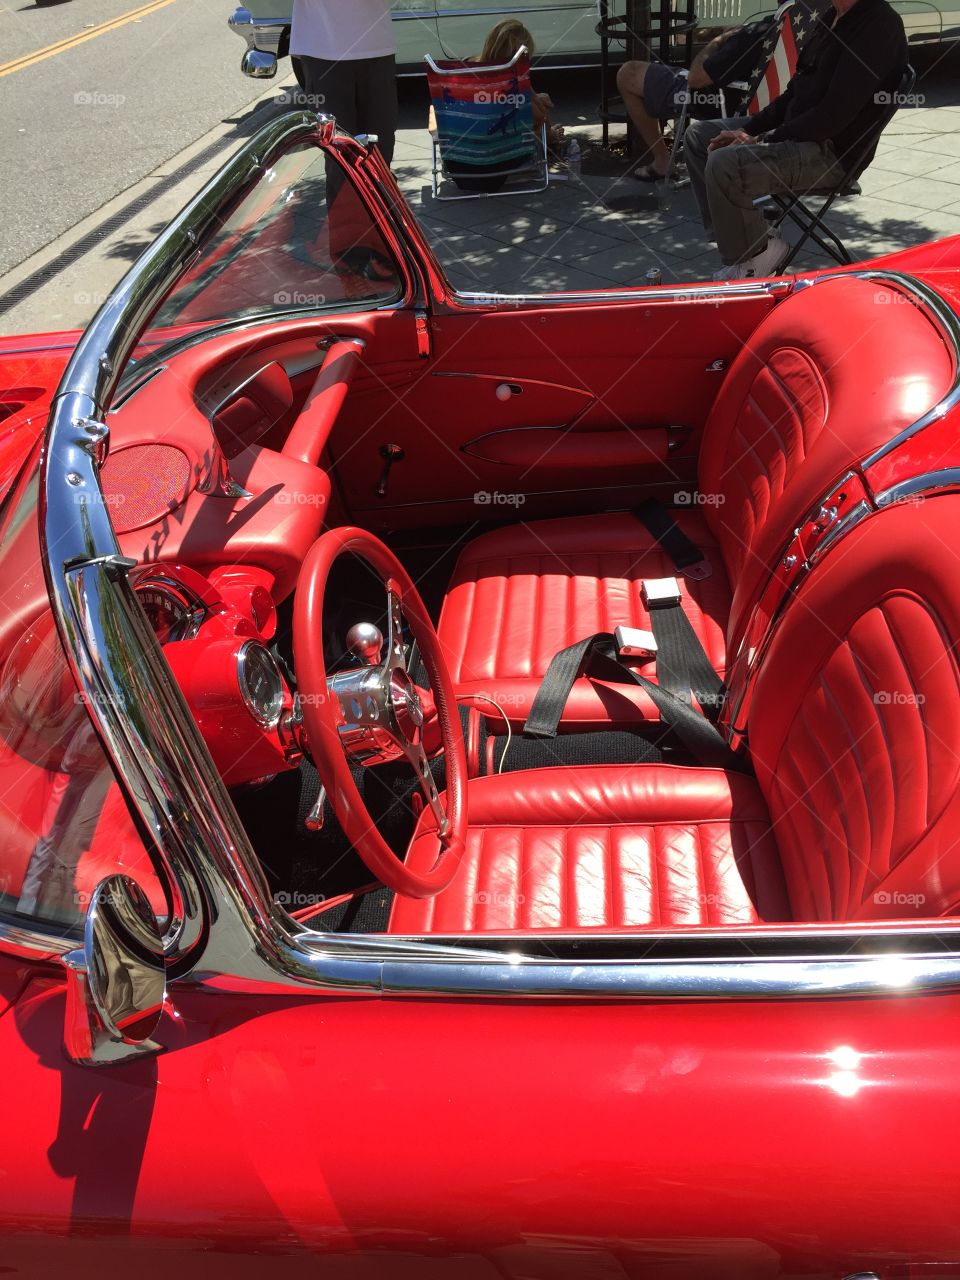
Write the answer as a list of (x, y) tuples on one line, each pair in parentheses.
[(844, 72)]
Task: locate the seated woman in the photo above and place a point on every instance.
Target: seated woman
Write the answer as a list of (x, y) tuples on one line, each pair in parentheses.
[(500, 46)]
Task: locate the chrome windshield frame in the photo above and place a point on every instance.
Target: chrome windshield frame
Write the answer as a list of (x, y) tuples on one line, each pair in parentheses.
[(226, 931)]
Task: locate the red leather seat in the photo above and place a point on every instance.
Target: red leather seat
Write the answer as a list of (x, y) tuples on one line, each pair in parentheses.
[(854, 733), (605, 848), (833, 373)]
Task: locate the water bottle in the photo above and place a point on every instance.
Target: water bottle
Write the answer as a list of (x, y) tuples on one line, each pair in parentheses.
[(574, 158)]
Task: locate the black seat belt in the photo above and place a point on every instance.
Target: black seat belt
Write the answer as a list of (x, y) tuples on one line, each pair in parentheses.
[(686, 556), (596, 656), (682, 664), (683, 667)]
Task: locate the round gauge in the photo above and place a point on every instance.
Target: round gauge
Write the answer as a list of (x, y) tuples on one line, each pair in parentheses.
[(261, 683), (170, 615)]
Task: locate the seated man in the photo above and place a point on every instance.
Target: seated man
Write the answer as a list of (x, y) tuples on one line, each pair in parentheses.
[(652, 92), (806, 138)]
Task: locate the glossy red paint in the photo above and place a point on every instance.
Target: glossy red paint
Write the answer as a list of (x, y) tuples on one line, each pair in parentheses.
[(708, 1142)]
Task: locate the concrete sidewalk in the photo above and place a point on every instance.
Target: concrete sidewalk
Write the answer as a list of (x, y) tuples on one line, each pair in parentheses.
[(564, 238)]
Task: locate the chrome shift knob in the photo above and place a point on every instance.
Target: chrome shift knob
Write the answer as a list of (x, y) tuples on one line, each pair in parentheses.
[(365, 642)]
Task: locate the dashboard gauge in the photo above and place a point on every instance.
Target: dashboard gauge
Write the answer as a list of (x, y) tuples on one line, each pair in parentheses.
[(261, 683), (171, 614)]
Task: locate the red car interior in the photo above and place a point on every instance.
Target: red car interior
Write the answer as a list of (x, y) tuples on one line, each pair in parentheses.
[(855, 738), (852, 727), (799, 406)]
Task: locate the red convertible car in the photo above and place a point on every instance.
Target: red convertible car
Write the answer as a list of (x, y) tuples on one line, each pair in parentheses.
[(479, 774)]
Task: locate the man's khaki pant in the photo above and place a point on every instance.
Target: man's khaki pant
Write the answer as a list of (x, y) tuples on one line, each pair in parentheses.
[(726, 182)]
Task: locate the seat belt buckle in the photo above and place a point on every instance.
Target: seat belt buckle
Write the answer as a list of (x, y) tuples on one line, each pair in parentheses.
[(660, 593), (632, 642)]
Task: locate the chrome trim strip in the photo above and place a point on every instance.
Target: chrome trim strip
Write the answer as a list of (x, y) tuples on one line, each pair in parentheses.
[(931, 482), (642, 293)]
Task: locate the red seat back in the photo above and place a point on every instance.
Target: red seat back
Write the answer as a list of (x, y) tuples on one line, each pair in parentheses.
[(855, 723), (829, 376)]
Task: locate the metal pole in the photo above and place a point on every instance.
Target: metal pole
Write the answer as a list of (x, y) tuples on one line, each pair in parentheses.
[(638, 49)]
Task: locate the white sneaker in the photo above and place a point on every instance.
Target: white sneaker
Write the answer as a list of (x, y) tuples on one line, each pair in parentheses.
[(765, 263)]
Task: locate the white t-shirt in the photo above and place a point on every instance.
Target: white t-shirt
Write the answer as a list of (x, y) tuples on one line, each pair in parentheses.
[(342, 30)]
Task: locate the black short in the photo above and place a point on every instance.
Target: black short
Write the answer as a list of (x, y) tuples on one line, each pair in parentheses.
[(665, 91)]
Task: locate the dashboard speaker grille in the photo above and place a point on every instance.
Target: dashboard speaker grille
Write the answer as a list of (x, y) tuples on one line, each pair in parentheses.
[(143, 482)]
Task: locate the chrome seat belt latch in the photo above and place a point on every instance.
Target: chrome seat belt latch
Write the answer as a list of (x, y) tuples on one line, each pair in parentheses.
[(632, 642), (661, 593)]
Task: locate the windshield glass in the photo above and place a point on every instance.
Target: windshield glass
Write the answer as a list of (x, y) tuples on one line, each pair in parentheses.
[(300, 241), (64, 824)]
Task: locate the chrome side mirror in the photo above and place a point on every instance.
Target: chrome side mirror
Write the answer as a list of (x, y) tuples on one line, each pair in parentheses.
[(117, 983)]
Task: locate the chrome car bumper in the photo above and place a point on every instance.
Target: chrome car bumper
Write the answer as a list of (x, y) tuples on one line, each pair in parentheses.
[(268, 41)]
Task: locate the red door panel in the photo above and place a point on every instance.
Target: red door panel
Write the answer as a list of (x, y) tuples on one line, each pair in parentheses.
[(504, 412)]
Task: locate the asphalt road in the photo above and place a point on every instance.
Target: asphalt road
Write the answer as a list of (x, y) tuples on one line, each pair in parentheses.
[(81, 125)]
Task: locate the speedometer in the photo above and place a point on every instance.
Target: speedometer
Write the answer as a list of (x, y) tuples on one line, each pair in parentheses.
[(170, 613)]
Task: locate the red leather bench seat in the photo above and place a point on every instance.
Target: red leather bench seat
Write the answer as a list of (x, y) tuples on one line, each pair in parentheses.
[(833, 373), (606, 848), (854, 813)]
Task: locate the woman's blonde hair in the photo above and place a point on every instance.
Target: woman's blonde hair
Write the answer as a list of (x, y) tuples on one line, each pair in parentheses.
[(503, 41)]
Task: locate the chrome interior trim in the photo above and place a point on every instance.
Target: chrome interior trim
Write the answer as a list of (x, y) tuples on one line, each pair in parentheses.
[(642, 293), (931, 483)]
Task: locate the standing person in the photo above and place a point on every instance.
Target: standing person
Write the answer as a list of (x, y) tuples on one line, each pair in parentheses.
[(348, 63), (850, 64)]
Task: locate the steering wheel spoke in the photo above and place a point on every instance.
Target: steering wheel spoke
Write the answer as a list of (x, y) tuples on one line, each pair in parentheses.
[(421, 767), (395, 658)]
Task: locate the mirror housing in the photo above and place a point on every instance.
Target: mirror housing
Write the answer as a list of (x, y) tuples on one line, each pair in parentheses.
[(116, 984)]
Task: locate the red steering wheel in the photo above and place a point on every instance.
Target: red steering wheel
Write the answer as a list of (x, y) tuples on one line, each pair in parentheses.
[(374, 712)]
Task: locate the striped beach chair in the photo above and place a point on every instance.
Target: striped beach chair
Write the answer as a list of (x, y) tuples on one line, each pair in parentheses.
[(485, 143)]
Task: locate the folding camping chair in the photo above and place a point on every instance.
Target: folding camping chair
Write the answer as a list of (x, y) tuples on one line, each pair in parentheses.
[(485, 137), (777, 64), (794, 206)]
